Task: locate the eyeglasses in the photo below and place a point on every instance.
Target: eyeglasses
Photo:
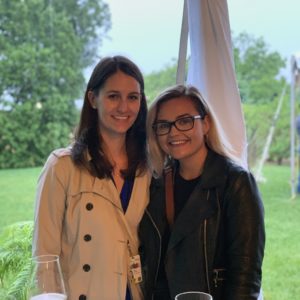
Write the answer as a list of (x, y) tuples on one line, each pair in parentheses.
[(181, 124)]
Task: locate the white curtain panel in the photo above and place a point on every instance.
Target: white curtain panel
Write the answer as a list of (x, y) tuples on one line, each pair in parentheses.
[(211, 69)]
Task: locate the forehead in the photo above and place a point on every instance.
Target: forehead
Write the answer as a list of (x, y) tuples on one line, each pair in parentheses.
[(173, 108), (121, 81)]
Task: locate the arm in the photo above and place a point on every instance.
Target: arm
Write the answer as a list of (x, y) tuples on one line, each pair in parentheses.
[(245, 237), (49, 209)]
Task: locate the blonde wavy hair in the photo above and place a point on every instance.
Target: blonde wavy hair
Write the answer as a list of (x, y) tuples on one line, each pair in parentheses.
[(158, 159)]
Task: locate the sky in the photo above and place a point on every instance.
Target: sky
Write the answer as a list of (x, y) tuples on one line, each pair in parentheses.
[(148, 32)]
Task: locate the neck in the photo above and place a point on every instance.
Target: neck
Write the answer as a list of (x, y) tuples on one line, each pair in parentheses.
[(115, 149)]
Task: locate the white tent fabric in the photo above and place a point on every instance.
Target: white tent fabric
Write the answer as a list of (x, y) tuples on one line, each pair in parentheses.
[(211, 68)]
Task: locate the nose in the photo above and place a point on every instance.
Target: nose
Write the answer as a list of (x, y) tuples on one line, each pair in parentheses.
[(123, 105), (173, 129)]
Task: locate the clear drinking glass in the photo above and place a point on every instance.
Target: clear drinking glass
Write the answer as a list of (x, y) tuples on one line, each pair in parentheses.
[(192, 295), (46, 282)]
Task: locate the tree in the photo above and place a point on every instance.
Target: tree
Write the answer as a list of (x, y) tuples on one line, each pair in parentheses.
[(156, 82), (257, 69), (45, 46)]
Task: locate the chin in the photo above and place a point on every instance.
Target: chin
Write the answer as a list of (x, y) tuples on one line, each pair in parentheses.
[(178, 156)]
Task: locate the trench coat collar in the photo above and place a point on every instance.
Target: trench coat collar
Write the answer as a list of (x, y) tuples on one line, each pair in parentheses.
[(105, 188), (203, 202)]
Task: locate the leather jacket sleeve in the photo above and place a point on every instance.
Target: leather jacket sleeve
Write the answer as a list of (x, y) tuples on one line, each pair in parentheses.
[(245, 237)]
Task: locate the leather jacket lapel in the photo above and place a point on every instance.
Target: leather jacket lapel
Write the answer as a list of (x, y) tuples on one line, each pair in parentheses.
[(199, 207)]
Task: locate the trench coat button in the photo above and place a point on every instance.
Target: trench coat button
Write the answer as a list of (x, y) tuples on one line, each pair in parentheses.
[(82, 297), (89, 206), (87, 237), (86, 267)]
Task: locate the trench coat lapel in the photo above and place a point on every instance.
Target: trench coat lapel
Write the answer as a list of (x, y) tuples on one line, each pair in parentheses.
[(106, 189), (139, 195)]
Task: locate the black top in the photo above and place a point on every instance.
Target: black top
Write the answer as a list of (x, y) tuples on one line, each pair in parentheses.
[(182, 191)]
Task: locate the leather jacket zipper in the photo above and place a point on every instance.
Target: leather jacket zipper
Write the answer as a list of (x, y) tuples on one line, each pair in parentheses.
[(205, 250), (205, 255)]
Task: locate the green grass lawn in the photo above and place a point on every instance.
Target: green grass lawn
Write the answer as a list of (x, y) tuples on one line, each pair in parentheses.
[(17, 193), (281, 269)]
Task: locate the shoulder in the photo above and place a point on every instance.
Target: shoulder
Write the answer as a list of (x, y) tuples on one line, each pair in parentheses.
[(226, 174), (238, 172), (241, 185), (228, 167), (61, 152), (59, 160)]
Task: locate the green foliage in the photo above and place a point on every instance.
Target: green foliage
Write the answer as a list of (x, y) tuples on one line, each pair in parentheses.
[(15, 254), (260, 87), (257, 69), (259, 118), (45, 46), (156, 82), (280, 147)]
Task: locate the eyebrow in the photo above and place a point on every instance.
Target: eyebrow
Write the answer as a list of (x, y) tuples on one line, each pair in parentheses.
[(178, 117), (118, 92)]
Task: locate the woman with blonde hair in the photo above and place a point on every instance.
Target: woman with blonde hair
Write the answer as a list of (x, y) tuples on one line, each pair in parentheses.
[(203, 229)]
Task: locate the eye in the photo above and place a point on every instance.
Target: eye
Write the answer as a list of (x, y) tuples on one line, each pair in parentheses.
[(162, 125), (113, 96), (184, 121), (134, 97)]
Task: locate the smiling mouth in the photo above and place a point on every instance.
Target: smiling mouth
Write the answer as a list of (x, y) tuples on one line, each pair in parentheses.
[(177, 143), (122, 118)]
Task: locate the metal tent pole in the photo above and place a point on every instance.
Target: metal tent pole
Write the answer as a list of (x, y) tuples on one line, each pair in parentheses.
[(295, 78), (180, 76), (292, 128)]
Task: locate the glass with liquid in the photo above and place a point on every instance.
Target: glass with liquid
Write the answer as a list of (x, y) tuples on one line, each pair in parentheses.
[(46, 282)]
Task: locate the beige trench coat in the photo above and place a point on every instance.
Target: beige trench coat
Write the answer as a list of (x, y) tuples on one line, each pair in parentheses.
[(80, 218)]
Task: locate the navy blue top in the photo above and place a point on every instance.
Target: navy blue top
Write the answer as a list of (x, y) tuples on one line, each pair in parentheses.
[(125, 197), (126, 193)]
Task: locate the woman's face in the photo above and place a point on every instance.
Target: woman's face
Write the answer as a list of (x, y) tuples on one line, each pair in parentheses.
[(182, 145), (118, 104)]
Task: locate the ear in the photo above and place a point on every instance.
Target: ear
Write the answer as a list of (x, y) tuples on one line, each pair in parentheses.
[(92, 99), (206, 124)]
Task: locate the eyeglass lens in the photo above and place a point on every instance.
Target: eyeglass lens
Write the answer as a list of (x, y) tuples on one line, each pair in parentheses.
[(182, 124)]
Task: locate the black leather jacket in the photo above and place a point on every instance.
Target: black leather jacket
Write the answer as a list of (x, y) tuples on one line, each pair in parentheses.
[(217, 242)]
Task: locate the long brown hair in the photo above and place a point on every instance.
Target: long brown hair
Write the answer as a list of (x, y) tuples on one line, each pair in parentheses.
[(87, 150)]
